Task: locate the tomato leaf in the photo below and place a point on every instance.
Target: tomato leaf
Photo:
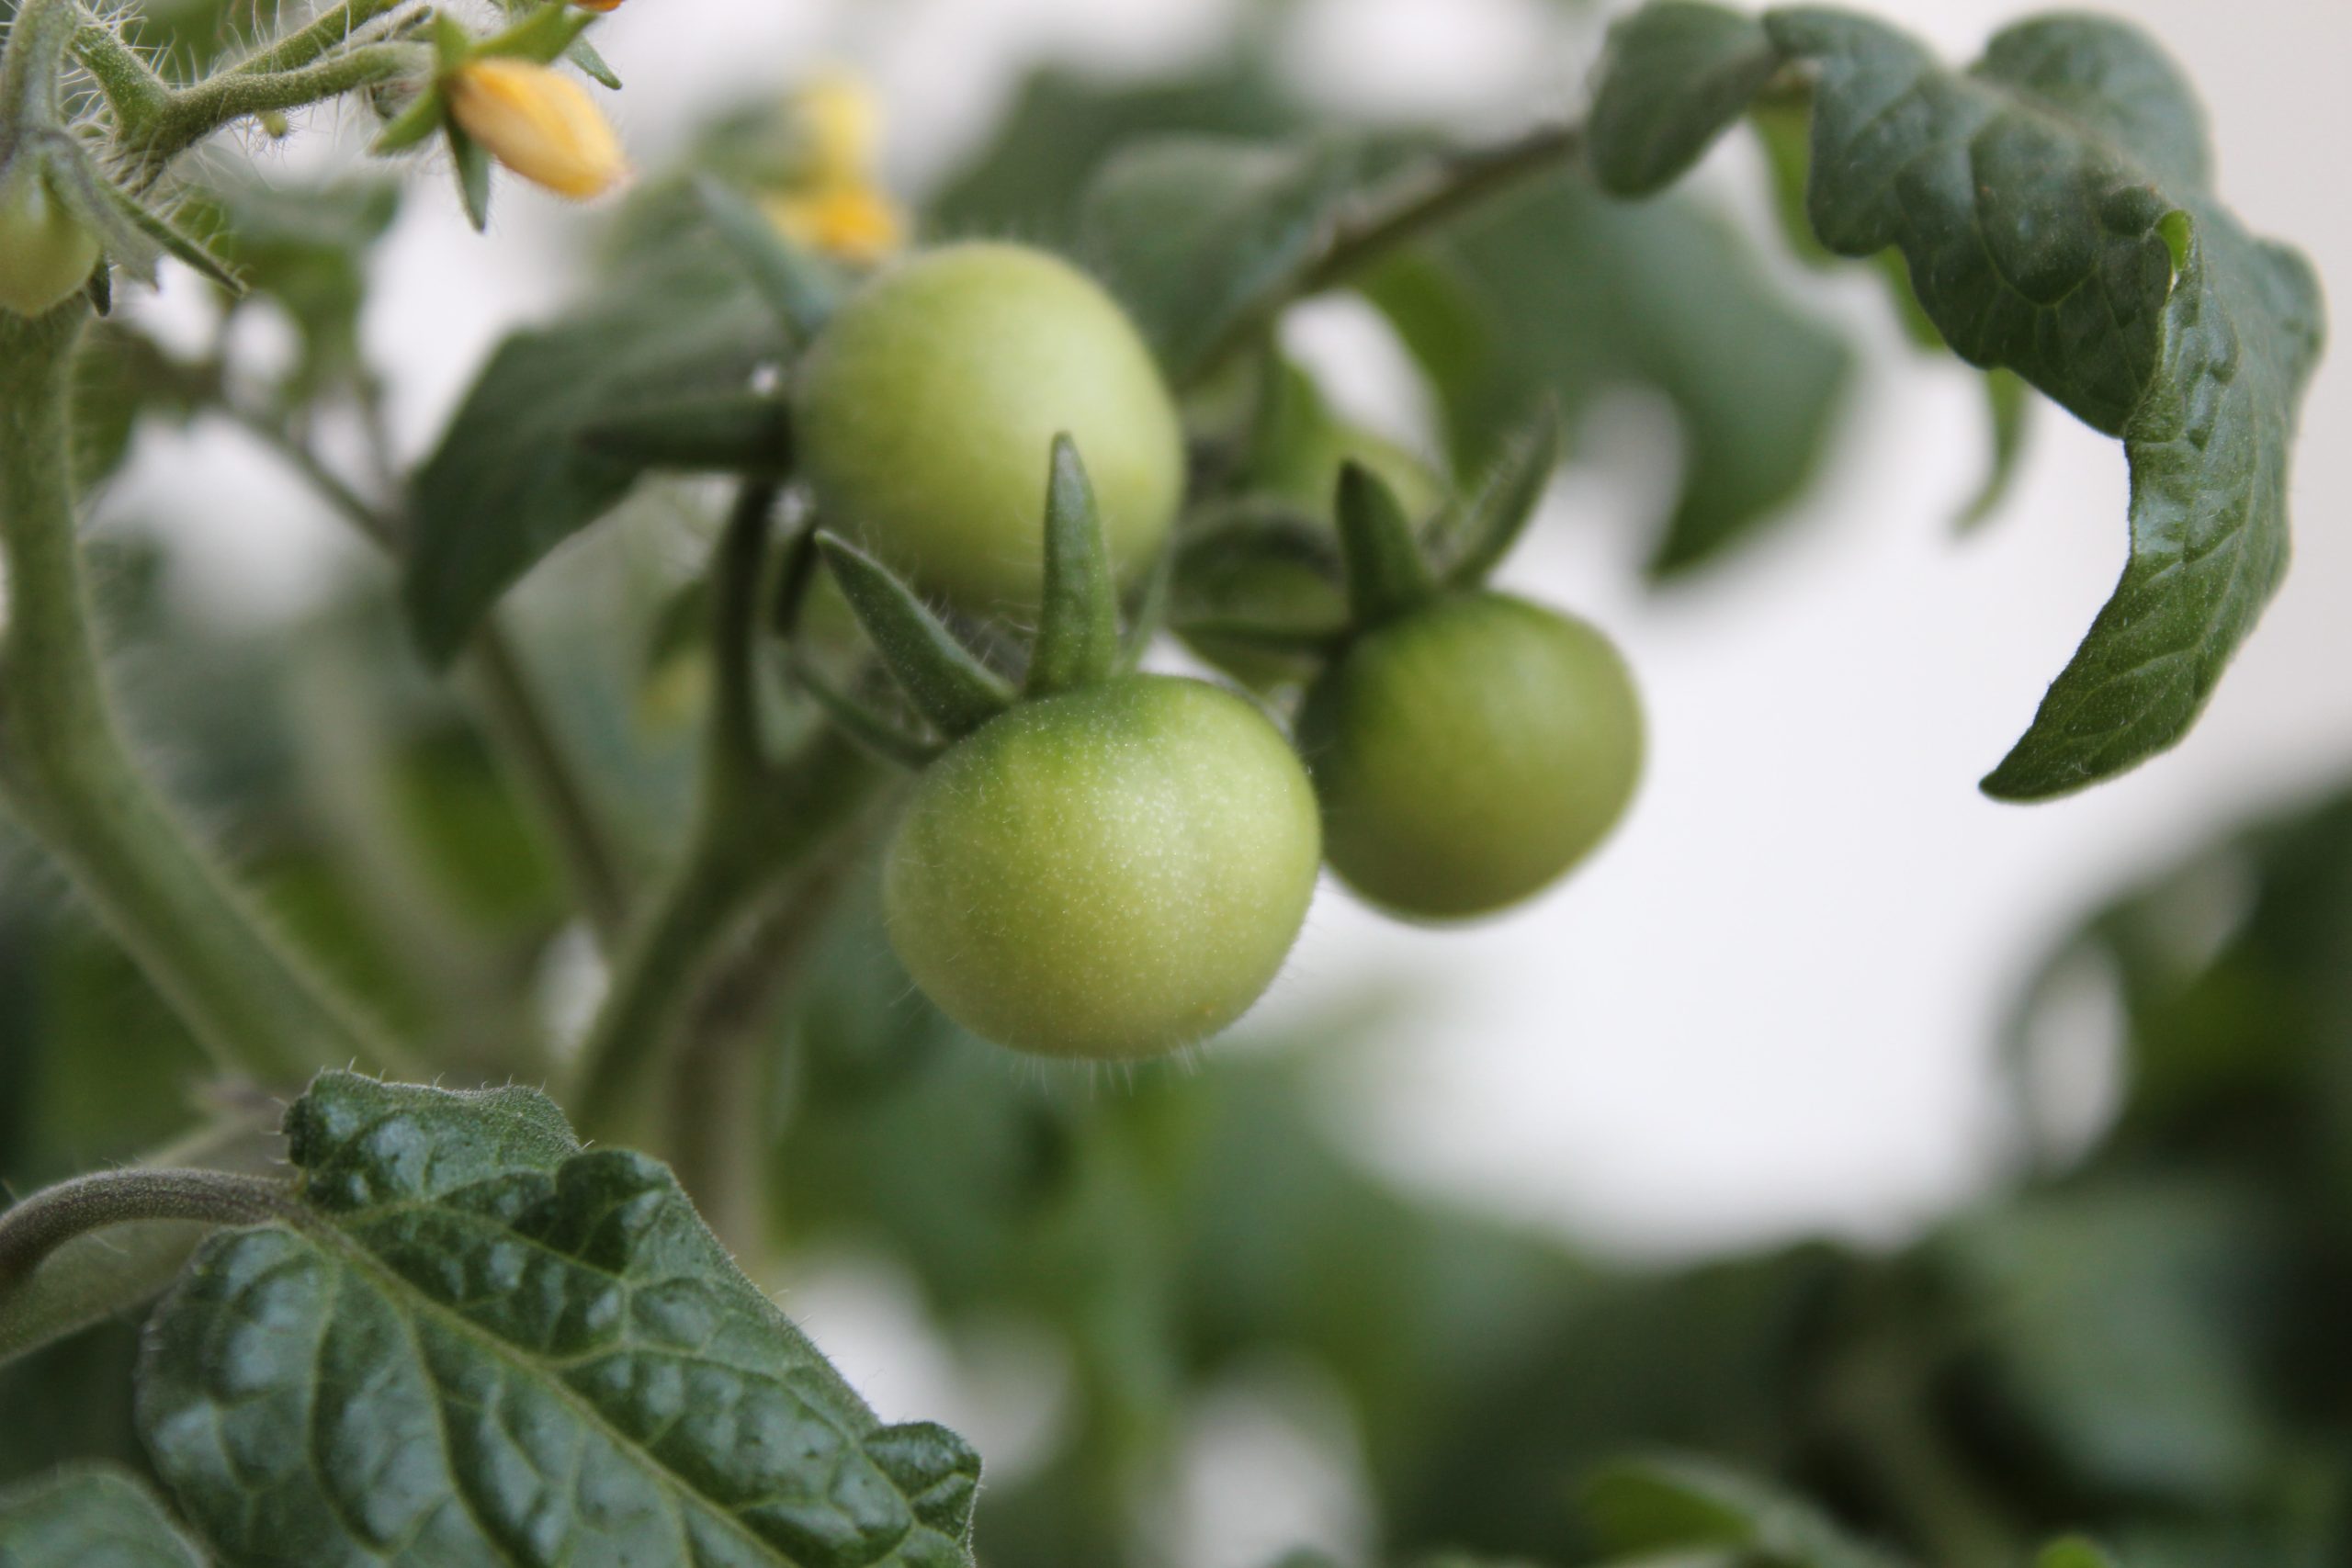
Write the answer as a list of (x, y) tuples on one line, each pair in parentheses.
[(1676, 73), (86, 1515), (486, 1343), (516, 475), (2055, 206), (1202, 238), (1674, 1503)]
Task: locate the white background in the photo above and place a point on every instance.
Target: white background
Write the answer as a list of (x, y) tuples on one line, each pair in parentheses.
[(1769, 1005)]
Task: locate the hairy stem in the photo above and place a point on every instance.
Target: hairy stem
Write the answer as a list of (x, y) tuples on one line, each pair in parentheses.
[(49, 1219), (190, 114), (756, 824), (68, 775)]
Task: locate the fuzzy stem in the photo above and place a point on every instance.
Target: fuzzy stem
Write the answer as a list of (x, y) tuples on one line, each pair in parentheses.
[(756, 824), (65, 770), (190, 114)]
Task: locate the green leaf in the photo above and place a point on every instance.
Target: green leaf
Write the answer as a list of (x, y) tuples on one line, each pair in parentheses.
[(1203, 238), (1562, 291), (2055, 206), (488, 1344), (89, 1517), (2074, 1553), (1671, 1503), (800, 288), (306, 247), (514, 475), (2008, 409), (1675, 74)]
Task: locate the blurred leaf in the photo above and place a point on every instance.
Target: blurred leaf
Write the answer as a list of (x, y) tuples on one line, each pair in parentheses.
[(1674, 1503), (1674, 75), (1205, 238), (307, 248), (476, 1306), (515, 477), (1560, 291), (2074, 1553), (119, 378), (89, 1518), (1026, 182)]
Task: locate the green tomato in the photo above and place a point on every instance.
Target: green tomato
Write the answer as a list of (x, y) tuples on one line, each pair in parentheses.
[(45, 254), (1108, 874), (1470, 752), (927, 408)]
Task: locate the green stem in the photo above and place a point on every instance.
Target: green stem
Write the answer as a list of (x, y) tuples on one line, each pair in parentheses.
[(755, 826), (190, 114), (132, 89), (33, 1229), (332, 30), (37, 40), (1457, 185), (66, 771)]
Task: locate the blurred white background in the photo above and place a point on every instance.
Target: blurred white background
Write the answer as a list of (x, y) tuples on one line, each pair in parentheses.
[(1770, 1007)]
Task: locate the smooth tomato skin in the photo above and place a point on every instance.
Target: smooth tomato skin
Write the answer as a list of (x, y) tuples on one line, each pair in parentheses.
[(1470, 752), (927, 407), (45, 254), (1107, 875)]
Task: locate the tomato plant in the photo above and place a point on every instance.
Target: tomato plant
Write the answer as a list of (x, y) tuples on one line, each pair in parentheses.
[(771, 774)]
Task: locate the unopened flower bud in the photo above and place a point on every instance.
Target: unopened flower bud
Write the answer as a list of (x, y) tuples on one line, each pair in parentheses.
[(538, 122)]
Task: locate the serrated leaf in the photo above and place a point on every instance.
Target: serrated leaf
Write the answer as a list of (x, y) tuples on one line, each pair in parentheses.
[(89, 1517), (514, 475), (1202, 238), (1673, 75), (488, 1344), (1672, 1503), (2053, 204)]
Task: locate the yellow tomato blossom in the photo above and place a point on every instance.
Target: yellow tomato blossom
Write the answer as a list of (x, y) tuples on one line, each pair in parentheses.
[(538, 122), (850, 221), (830, 202)]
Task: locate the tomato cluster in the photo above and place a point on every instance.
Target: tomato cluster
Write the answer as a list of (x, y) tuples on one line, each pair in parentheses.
[(1110, 866)]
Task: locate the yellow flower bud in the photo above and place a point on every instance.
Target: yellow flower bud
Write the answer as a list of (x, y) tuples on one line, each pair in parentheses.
[(848, 220), (599, 7), (538, 122), (841, 123)]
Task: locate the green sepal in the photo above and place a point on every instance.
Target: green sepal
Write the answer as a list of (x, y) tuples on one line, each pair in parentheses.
[(472, 166), (583, 54), (130, 232), (947, 686), (415, 125), (727, 433), (864, 726), (797, 287), (1480, 531), (544, 36), (1386, 575), (1078, 619), (452, 45)]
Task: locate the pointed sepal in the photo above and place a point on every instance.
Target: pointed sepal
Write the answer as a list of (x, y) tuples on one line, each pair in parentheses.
[(583, 54), (1386, 575), (1476, 536), (947, 686), (1078, 619), (472, 164), (800, 288)]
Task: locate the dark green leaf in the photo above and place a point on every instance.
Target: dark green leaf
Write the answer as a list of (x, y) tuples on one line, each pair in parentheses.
[(513, 476), (1675, 74), (487, 1343), (1205, 238), (305, 247), (2055, 206), (1562, 291), (89, 1517), (1665, 1504)]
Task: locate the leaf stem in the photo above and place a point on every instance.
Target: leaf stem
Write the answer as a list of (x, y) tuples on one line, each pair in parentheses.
[(68, 774), (1456, 185), (38, 1226)]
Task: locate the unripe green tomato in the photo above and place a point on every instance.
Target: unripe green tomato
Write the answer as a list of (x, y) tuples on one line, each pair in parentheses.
[(1469, 752), (927, 407), (1108, 874), (45, 254)]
